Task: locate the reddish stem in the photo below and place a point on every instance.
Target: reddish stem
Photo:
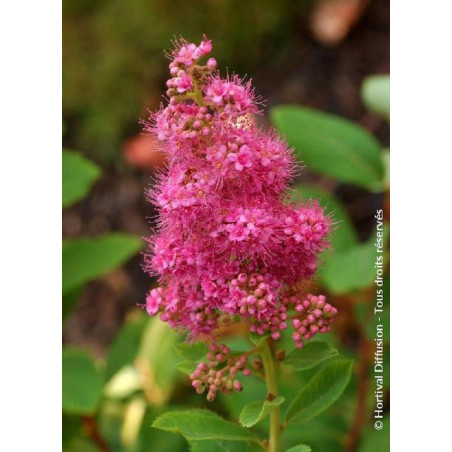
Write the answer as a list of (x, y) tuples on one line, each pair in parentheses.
[(360, 414), (93, 432)]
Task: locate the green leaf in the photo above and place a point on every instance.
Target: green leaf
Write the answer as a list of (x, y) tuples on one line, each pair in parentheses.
[(386, 162), (310, 355), (86, 259), (224, 446), (375, 93), (255, 389), (254, 412), (331, 145), (157, 351), (320, 392), (344, 234), (70, 300), (300, 448), (197, 425), (192, 352), (82, 384), (187, 366), (258, 339), (81, 444), (376, 440), (79, 174), (352, 269), (125, 345), (71, 427), (152, 440)]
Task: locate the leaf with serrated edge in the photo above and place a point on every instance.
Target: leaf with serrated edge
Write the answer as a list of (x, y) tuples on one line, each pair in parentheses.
[(320, 392), (197, 425), (300, 448), (254, 412), (310, 355)]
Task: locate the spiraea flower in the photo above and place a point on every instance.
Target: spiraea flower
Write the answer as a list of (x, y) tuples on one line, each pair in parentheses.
[(229, 246)]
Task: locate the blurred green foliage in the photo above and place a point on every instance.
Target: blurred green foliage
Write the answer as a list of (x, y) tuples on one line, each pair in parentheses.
[(377, 440), (87, 258), (125, 345), (78, 175), (114, 68), (375, 93), (300, 448), (82, 383), (352, 269)]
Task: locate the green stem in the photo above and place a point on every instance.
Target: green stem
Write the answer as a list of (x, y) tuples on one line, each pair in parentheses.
[(197, 94), (272, 392)]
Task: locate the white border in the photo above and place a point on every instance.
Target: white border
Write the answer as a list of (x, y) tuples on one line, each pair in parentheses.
[(421, 175), (30, 334), (30, 37)]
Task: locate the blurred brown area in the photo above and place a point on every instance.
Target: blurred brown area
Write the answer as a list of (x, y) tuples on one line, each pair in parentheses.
[(289, 62)]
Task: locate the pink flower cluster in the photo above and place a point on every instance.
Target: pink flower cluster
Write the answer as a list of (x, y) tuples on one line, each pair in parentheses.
[(229, 244)]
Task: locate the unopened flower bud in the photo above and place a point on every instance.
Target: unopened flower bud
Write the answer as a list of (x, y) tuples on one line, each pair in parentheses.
[(211, 64)]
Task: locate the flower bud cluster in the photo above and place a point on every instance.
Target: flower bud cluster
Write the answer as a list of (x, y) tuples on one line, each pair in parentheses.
[(184, 68), (274, 325), (254, 294), (181, 122), (219, 373), (312, 315)]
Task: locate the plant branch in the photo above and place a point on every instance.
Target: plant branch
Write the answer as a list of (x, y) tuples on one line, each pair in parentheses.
[(360, 414), (93, 432), (268, 360)]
